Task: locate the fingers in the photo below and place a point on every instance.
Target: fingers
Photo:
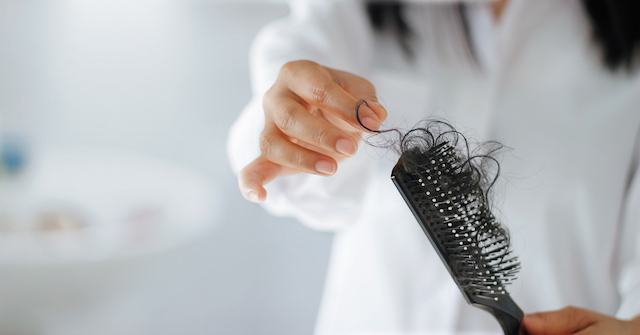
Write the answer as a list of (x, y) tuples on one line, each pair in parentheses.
[(254, 176), (258, 173), (360, 89), (568, 320), (334, 91), (280, 157), (296, 122), (280, 150), (309, 124)]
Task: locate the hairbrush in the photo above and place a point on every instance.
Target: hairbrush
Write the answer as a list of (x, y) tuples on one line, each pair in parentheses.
[(447, 194)]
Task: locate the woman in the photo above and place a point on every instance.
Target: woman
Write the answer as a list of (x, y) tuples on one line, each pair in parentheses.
[(527, 73)]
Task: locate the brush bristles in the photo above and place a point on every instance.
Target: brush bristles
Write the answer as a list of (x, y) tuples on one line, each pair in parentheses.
[(452, 205)]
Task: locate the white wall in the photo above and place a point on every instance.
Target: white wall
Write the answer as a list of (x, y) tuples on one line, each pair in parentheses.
[(165, 78)]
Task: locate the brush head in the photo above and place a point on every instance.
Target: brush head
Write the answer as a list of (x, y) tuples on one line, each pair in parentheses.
[(444, 190), (446, 187)]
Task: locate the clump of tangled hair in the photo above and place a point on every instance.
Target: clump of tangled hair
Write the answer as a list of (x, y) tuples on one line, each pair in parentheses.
[(446, 181), (477, 160)]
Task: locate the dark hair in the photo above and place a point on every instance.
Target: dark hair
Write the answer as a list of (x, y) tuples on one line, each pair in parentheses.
[(615, 24)]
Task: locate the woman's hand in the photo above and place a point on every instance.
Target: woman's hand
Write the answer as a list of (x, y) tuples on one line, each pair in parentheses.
[(571, 320), (310, 124)]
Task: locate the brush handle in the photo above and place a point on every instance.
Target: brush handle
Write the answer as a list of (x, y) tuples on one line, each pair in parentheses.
[(508, 314), (510, 324)]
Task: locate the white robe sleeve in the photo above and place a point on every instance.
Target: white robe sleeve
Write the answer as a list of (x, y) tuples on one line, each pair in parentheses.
[(334, 34), (629, 277)]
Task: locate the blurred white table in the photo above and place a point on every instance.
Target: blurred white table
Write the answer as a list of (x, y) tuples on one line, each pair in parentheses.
[(80, 230), (93, 203)]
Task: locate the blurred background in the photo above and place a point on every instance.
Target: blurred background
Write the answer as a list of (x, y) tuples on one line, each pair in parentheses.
[(118, 210)]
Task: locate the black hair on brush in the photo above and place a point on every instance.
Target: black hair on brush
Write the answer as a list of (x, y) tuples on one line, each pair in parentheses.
[(446, 183), (479, 161)]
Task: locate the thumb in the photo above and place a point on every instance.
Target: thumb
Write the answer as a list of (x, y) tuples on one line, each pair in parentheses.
[(565, 321), (254, 176)]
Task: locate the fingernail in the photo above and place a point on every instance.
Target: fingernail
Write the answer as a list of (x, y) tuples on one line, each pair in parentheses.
[(346, 147), (253, 196), (370, 123), (375, 103), (325, 167), (380, 109)]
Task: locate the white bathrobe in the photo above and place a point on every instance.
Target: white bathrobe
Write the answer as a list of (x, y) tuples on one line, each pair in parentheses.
[(569, 191)]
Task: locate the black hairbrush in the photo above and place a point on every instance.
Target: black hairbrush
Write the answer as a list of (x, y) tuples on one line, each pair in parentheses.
[(446, 194)]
